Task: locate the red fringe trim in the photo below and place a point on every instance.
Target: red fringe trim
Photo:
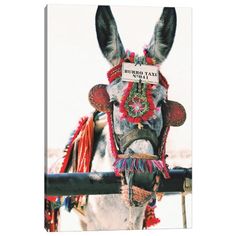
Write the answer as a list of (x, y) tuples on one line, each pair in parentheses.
[(66, 158), (85, 147)]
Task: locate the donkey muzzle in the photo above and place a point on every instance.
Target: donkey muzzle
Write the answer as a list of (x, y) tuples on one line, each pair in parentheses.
[(127, 139)]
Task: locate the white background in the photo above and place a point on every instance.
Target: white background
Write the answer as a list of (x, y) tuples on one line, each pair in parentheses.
[(22, 122)]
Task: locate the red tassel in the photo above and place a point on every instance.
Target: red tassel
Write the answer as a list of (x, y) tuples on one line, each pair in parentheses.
[(51, 198), (150, 218), (67, 156)]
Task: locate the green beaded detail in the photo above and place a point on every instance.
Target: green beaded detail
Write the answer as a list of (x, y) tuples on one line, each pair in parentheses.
[(136, 103)]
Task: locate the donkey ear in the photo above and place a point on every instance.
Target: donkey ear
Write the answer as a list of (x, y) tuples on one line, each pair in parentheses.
[(164, 34), (108, 36)]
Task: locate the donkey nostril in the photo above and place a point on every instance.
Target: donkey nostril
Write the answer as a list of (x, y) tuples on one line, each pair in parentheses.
[(129, 151)]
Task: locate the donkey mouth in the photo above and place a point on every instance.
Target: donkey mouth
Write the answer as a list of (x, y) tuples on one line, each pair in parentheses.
[(141, 147), (139, 173), (138, 188)]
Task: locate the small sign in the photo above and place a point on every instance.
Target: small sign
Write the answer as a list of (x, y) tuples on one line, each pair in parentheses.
[(144, 73)]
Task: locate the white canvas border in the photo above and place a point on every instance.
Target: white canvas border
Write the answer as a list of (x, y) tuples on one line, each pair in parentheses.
[(22, 120)]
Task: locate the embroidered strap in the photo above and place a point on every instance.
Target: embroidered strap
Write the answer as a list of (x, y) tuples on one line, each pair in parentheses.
[(138, 156)]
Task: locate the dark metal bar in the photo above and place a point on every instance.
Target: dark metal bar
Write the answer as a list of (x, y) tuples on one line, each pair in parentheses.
[(105, 183)]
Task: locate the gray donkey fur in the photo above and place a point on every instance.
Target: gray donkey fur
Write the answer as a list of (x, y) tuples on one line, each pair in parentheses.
[(109, 212)]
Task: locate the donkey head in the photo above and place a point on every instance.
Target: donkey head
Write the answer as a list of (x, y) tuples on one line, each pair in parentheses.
[(137, 108)]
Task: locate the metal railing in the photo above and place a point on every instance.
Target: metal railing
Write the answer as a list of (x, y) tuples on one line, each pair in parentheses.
[(108, 183)]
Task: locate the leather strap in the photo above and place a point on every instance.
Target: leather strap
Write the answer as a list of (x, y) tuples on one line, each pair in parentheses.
[(136, 134), (139, 156)]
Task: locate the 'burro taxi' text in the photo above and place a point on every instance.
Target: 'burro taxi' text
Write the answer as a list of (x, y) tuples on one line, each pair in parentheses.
[(140, 74)]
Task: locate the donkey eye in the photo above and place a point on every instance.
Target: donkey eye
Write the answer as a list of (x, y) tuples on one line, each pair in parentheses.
[(116, 103), (159, 104)]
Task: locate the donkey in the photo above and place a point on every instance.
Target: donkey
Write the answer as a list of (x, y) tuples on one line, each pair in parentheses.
[(137, 135), (126, 134)]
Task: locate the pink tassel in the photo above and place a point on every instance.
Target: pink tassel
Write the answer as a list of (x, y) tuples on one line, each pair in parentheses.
[(149, 164)]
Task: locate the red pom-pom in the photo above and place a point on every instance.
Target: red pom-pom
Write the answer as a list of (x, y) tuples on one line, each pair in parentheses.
[(99, 98), (174, 113), (150, 218), (152, 222), (132, 54)]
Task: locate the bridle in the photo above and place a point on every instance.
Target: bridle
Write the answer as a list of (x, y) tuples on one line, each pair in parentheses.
[(138, 133)]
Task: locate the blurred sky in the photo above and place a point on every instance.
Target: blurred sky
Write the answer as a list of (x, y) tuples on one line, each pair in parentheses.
[(75, 64)]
